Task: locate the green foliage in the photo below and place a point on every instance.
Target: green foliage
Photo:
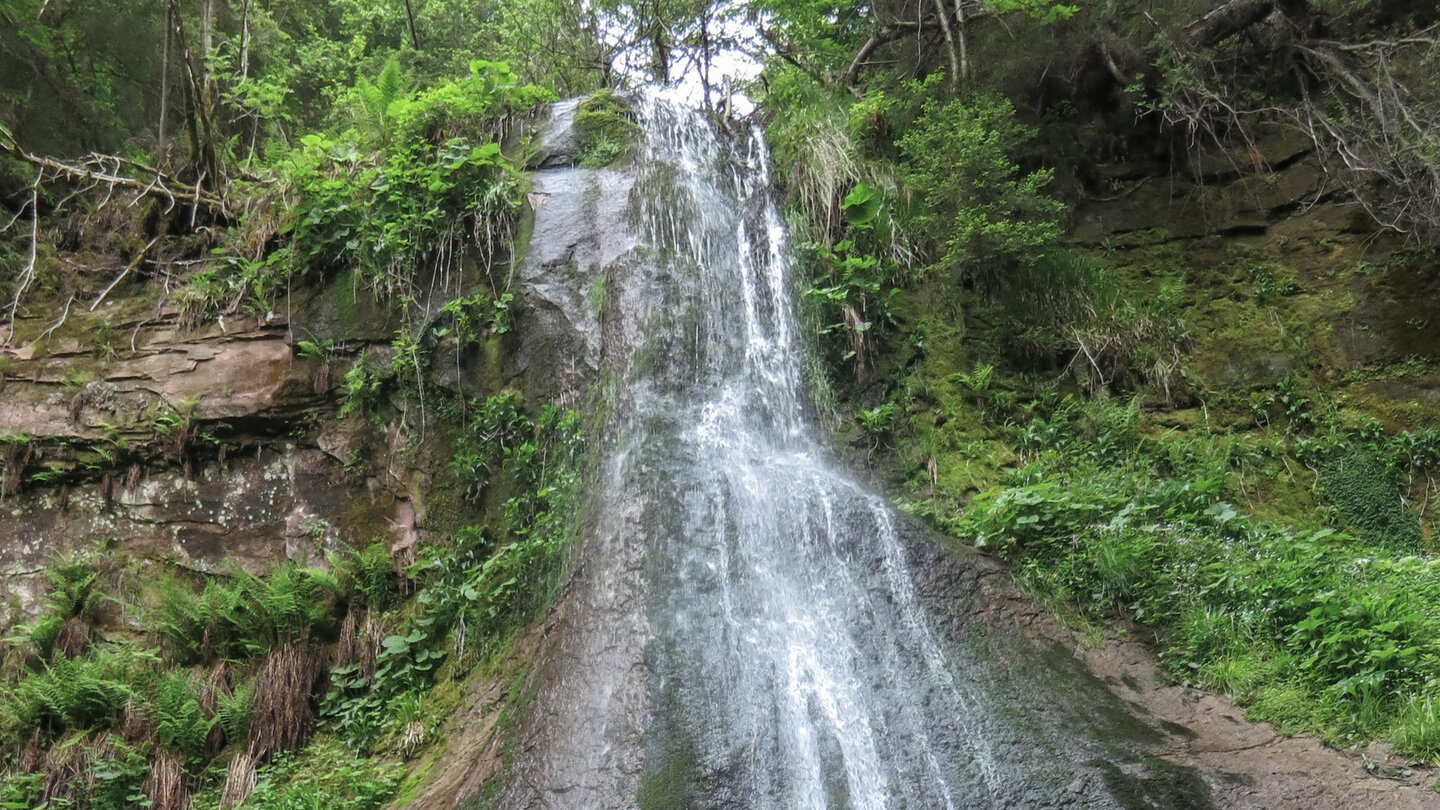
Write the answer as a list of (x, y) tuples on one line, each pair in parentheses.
[(75, 700), (974, 202), (59, 103), (605, 130), (84, 693), (502, 584), (1367, 491), (236, 711), (854, 288), (815, 158), (325, 775), (372, 572), (385, 200), (1240, 605), (364, 710), (477, 592), (375, 100), (361, 393), (244, 615), (180, 724), (110, 777), (1270, 285), (853, 298)]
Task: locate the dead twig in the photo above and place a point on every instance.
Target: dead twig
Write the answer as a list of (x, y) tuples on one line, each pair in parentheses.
[(105, 169), (59, 323), (27, 275), (135, 262)]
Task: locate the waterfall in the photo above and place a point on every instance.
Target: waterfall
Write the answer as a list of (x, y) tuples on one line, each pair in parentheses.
[(746, 631)]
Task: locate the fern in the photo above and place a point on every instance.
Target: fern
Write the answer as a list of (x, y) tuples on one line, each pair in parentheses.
[(376, 99), (180, 723), (236, 710), (389, 85), (79, 694)]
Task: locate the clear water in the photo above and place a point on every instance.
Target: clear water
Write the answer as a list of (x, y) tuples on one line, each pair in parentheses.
[(747, 632)]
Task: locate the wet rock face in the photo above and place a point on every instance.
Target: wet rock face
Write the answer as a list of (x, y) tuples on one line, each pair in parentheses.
[(579, 235), (269, 504), (202, 448)]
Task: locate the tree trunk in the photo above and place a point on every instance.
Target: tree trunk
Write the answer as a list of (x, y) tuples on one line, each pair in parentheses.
[(198, 121), (165, 78), (410, 19), (207, 35), (949, 45), (1225, 21)]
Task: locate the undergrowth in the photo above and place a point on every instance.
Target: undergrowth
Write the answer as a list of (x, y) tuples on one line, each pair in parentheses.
[(218, 696), (1313, 627)]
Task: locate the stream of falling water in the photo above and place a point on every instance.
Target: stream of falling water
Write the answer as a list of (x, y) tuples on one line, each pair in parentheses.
[(786, 660), (791, 655)]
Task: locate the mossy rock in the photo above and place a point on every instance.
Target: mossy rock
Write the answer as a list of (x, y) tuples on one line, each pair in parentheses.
[(605, 130)]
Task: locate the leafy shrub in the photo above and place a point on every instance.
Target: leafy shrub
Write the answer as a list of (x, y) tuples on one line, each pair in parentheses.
[(85, 693), (974, 201), (373, 576), (605, 129), (325, 775), (1367, 493), (429, 171), (1318, 629), (244, 615), (180, 724), (483, 587)]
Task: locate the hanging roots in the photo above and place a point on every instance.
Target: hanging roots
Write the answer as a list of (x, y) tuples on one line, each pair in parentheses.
[(284, 712), (165, 785), (239, 781), (73, 638), (349, 640)]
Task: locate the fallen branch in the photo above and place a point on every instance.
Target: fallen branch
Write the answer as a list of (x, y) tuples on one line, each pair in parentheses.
[(135, 262), (59, 323), (105, 169), (28, 274)]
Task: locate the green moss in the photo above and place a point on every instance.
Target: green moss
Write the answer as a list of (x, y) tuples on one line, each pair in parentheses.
[(597, 293), (1367, 494), (524, 229), (668, 787), (605, 129), (1160, 783), (417, 778)]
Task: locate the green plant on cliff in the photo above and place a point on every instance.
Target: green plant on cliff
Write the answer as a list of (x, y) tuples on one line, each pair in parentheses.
[(325, 775), (605, 130), (243, 615), (476, 591), (974, 202), (427, 177), (1241, 605)]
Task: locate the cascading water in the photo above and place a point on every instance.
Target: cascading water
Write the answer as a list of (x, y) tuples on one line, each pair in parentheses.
[(746, 631)]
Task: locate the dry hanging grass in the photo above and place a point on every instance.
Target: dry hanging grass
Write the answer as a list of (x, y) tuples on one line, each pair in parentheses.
[(66, 763), (13, 459), (370, 647), (239, 781), (165, 785), (32, 756), (320, 382), (103, 749), (347, 645), (134, 726), (73, 638), (284, 715), (216, 684)]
